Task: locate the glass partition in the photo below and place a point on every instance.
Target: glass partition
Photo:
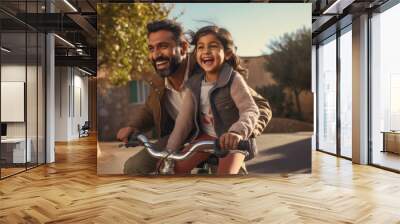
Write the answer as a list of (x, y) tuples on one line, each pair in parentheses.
[(31, 97), (14, 152), (22, 88)]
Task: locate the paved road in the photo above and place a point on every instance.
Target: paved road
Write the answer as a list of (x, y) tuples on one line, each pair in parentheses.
[(282, 153)]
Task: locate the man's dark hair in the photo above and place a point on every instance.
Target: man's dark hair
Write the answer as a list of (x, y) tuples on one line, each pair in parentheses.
[(170, 25)]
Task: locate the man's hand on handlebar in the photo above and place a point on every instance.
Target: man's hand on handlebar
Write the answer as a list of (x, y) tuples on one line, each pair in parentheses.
[(124, 133), (131, 140), (229, 141)]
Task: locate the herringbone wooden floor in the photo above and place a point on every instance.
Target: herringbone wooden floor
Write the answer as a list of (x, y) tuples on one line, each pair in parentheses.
[(69, 191)]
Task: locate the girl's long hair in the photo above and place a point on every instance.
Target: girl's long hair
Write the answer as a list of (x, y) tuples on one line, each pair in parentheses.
[(226, 39)]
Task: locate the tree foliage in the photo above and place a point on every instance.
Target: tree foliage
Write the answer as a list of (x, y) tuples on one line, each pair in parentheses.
[(290, 62), (276, 98), (122, 38)]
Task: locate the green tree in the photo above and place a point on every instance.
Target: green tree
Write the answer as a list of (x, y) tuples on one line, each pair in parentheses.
[(122, 38), (275, 96), (290, 62)]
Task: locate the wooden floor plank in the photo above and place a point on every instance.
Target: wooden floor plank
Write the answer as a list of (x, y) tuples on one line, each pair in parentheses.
[(69, 191)]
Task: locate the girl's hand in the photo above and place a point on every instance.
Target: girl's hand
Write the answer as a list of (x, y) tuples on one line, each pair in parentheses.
[(229, 140)]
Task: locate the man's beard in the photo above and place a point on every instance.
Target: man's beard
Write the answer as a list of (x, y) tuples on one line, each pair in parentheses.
[(174, 62)]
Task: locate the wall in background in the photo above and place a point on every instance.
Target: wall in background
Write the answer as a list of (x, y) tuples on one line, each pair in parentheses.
[(71, 102)]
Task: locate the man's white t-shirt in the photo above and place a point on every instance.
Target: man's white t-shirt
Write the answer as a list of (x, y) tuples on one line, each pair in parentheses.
[(175, 97)]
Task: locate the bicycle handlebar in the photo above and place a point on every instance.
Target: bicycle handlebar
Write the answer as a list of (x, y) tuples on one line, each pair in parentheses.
[(210, 146)]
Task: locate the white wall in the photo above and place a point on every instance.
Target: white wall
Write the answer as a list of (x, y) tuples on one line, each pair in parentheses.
[(61, 103), (13, 73), (71, 93), (81, 103)]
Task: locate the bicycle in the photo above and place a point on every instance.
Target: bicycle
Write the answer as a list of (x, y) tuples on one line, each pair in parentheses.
[(168, 158)]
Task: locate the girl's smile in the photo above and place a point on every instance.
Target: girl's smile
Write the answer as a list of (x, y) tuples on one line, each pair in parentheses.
[(207, 60)]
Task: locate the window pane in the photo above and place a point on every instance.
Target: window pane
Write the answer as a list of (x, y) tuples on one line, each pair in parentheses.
[(346, 94), (385, 84), (327, 96), (133, 95)]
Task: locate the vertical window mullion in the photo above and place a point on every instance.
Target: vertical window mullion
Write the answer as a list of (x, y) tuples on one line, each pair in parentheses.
[(26, 87), (338, 74), (317, 97), (369, 100), (37, 89)]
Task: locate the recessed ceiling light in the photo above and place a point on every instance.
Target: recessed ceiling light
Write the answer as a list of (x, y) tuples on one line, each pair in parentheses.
[(70, 5), (5, 50), (84, 71), (337, 7), (65, 41)]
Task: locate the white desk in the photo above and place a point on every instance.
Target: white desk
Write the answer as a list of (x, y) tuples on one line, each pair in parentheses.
[(18, 149)]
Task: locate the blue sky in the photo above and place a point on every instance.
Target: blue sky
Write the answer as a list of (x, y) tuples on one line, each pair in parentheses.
[(252, 25)]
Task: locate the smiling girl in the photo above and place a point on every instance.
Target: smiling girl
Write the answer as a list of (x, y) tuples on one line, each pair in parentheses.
[(217, 102)]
